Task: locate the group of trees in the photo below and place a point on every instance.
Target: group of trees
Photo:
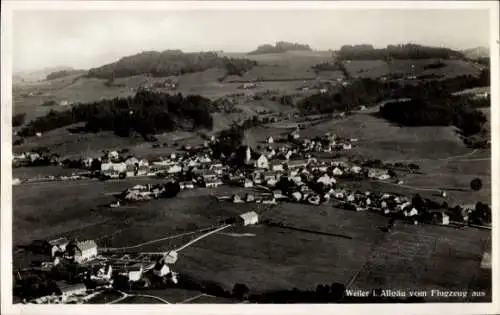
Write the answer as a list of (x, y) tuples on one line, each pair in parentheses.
[(361, 92), (62, 74), (336, 65), (145, 113), (279, 47), (432, 102), (18, 119), (404, 51), (170, 62), (434, 112)]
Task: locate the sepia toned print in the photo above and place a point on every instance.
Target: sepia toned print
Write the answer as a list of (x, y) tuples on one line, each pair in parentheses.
[(251, 157)]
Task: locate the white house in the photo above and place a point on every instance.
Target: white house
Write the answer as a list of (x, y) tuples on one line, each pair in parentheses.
[(237, 199), (108, 168), (486, 261), (135, 272), (271, 153), (104, 273), (384, 177), (277, 167), (174, 169), (161, 270), (249, 218), (270, 140), (347, 146), (247, 183), (213, 183), (113, 155), (85, 251), (326, 180), (170, 257), (356, 169), (271, 182), (337, 171), (132, 161), (262, 162)]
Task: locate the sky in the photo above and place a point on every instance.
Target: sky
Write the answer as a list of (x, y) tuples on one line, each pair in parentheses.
[(85, 39)]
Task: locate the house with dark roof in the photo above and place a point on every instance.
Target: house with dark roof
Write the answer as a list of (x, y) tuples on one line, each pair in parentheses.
[(58, 246)]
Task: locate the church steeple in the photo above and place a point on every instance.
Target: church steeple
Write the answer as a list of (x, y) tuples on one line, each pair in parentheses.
[(248, 154)]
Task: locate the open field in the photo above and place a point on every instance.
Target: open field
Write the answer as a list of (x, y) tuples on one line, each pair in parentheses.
[(43, 171), (43, 210), (327, 259), (379, 139), (425, 257), (379, 68)]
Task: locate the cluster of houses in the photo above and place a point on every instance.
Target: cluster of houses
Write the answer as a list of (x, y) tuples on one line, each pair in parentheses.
[(34, 159), (62, 249), (99, 271)]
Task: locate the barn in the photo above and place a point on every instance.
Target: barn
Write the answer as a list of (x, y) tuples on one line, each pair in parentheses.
[(248, 218)]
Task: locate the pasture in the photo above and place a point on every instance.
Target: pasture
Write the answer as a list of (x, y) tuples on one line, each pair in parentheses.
[(50, 209), (378, 68), (325, 259)]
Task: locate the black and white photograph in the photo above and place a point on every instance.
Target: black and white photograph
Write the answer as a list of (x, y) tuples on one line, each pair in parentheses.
[(274, 154)]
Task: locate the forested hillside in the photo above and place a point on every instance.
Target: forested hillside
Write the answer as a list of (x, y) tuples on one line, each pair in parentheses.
[(170, 62)]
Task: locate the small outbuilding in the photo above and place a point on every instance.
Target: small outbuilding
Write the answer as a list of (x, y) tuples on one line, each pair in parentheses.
[(249, 218)]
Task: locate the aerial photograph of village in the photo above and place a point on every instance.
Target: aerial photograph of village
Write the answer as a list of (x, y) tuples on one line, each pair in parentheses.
[(239, 156)]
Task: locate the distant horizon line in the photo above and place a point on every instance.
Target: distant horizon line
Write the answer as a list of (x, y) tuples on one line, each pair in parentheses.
[(28, 71)]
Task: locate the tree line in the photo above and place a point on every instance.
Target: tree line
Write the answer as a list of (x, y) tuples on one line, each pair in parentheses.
[(367, 91), (279, 47), (360, 92), (145, 113), (62, 74), (430, 111), (403, 51), (170, 62)]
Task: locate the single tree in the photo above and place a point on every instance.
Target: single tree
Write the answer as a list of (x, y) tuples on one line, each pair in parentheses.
[(476, 184), (240, 291)]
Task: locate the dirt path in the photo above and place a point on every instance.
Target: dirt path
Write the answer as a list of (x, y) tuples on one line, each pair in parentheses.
[(158, 240), (199, 238)]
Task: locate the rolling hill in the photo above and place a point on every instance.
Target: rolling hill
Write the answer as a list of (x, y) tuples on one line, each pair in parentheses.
[(477, 52), (169, 62), (36, 75)]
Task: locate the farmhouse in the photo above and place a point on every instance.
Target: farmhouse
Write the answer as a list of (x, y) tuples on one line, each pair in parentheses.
[(486, 261), (270, 140), (174, 169), (186, 185), (161, 270), (296, 164), (170, 257), (85, 251), (113, 168), (58, 245), (337, 171), (103, 273), (67, 289), (277, 167), (213, 183), (247, 183), (262, 162), (248, 218), (326, 180), (134, 272)]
